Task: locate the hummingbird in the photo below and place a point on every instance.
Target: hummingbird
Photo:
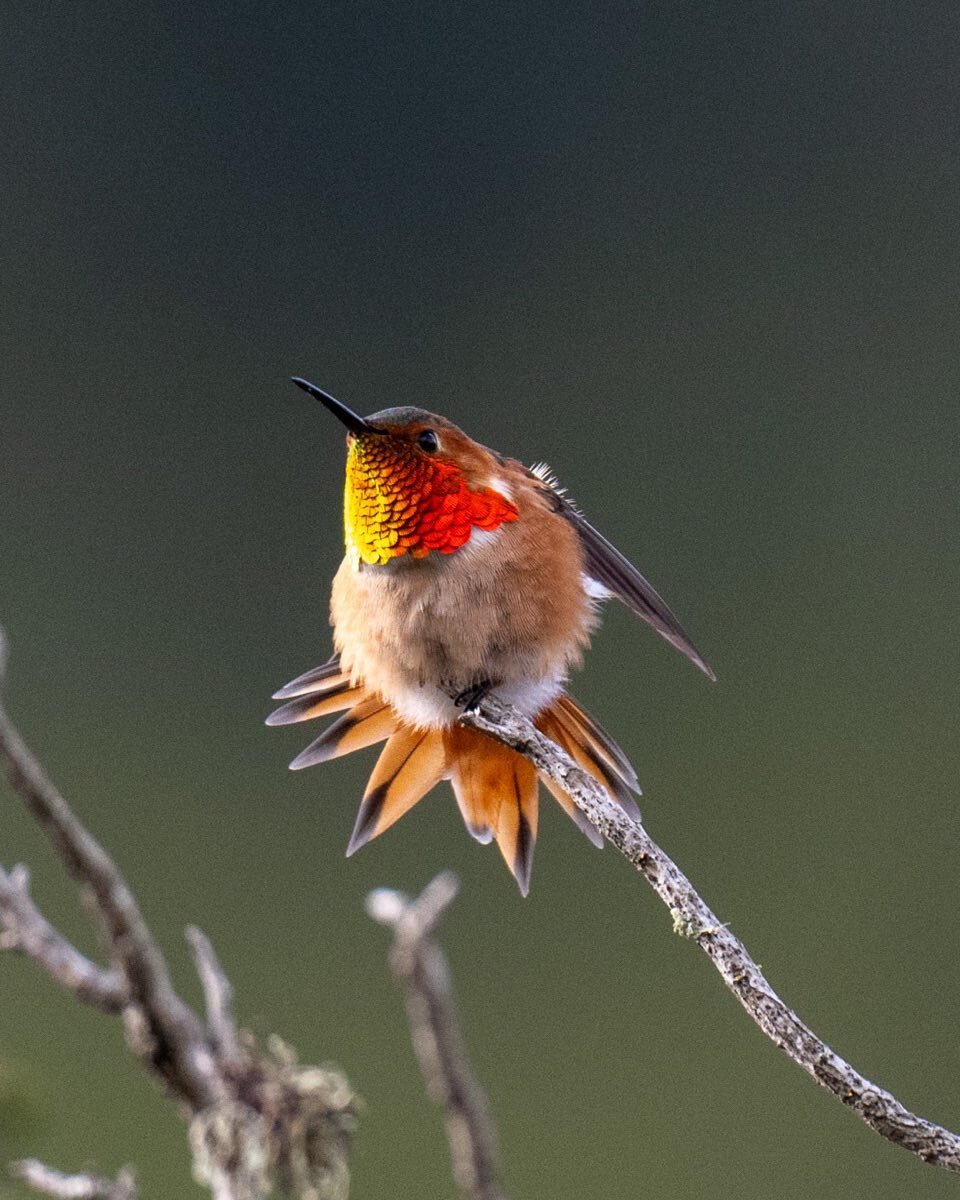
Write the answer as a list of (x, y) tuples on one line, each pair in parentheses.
[(465, 574)]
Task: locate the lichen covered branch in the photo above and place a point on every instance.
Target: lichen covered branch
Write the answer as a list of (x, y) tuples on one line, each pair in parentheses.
[(256, 1118), (693, 919)]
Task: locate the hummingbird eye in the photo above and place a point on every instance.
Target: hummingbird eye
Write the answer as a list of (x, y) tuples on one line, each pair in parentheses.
[(428, 441)]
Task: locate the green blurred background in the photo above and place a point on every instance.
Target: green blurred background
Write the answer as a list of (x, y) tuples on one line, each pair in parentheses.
[(701, 258)]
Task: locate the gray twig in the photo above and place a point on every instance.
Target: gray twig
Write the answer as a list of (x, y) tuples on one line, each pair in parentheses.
[(217, 995), (420, 967), (74, 1187), (693, 919), (23, 927)]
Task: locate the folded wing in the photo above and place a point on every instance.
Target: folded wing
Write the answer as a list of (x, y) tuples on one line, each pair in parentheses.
[(615, 575)]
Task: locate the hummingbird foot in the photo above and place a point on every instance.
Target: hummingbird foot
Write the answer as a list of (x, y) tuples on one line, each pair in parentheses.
[(470, 697)]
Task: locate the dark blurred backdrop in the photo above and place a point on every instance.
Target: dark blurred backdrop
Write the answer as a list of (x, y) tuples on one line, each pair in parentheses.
[(701, 258)]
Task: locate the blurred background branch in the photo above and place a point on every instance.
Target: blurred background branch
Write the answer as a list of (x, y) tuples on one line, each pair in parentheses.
[(45, 1179), (693, 919), (421, 969), (254, 1117)]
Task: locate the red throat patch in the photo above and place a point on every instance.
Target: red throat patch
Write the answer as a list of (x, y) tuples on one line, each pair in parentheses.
[(399, 501)]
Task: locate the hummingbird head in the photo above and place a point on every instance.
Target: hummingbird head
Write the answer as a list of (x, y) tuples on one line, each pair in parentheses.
[(415, 483)]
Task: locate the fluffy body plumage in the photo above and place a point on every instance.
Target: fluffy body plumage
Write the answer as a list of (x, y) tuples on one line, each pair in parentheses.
[(464, 571)]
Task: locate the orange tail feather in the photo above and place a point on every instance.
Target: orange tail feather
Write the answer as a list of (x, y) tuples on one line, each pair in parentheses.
[(593, 750), (496, 788), (409, 765)]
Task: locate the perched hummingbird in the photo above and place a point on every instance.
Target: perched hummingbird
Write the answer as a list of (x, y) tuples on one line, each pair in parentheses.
[(465, 573)]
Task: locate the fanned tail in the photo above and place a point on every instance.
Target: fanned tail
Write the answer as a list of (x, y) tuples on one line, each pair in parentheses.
[(496, 788)]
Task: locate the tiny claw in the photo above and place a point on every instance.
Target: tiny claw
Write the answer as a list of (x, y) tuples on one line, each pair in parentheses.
[(470, 697)]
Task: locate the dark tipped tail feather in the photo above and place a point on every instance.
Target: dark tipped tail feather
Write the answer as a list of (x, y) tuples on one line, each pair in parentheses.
[(495, 787), (411, 763)]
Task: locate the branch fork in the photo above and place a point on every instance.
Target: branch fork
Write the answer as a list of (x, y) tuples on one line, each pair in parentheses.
[(254, 1119)]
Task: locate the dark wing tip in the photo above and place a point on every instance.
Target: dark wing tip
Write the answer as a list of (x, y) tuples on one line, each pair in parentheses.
[(675, 635), (687, 647), (615, 574)]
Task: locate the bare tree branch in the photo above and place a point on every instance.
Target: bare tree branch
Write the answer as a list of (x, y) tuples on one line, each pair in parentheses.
[(693, 919), (175, 1039), (256, 1119), (24, 928), (420, 967), (74, 1187), (217, 995)]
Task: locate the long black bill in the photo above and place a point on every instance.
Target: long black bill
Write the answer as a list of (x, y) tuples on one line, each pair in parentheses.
[(354, 423)]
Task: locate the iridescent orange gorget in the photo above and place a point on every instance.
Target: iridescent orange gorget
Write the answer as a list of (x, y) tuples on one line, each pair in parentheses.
[(398, 501)]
